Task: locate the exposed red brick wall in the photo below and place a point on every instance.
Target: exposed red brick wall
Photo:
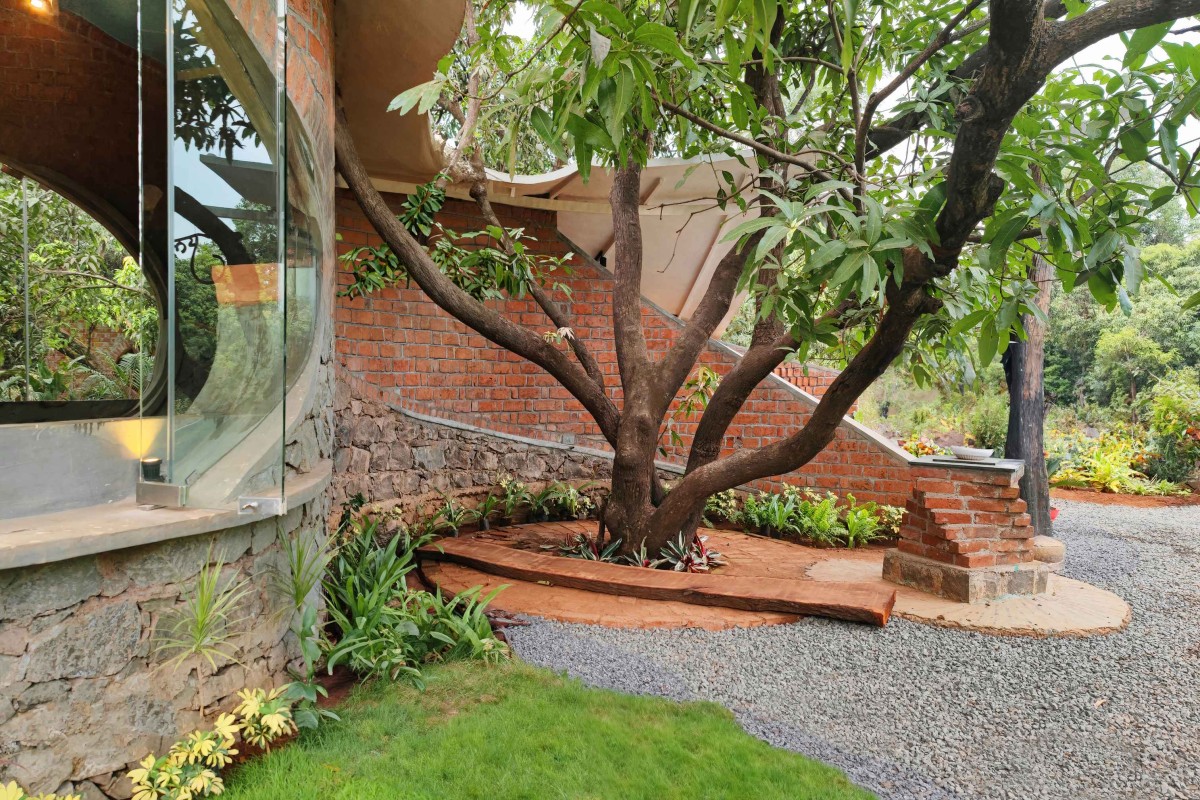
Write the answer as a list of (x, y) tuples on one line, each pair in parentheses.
[(69, 109), (812, 379), (428, 362)]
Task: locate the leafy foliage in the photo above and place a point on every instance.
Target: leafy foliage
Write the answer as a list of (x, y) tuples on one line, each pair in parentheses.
[(807, 515), (80, 282), (386, 629)]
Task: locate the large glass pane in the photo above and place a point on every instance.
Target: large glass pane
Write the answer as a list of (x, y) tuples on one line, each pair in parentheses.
[(225, 250)]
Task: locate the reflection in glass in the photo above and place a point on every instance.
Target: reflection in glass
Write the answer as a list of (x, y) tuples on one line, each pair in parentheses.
[(227, 254)]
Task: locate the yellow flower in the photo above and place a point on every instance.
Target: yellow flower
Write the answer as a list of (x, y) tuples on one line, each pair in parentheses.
[(11, 791)]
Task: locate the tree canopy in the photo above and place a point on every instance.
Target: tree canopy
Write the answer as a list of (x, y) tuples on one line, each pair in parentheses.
[(907, 162)]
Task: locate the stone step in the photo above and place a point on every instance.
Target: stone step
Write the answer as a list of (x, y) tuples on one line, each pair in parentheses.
[(856, 602)]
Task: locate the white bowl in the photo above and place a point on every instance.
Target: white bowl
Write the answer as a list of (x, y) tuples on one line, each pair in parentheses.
[(971, 453)]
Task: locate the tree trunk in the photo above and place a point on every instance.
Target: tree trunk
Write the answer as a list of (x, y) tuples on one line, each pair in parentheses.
[(1027, 404)]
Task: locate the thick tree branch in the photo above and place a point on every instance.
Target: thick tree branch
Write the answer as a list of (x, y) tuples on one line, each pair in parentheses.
[(630, 337), (864, 123), (454, 301), (1069, 37), (906, 306), (899, 129)]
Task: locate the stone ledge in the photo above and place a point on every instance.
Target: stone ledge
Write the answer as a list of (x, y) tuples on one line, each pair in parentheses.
[(46, 538), (962, 584)]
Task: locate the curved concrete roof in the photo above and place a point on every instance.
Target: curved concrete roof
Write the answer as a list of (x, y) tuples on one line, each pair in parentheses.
[(383, 49)]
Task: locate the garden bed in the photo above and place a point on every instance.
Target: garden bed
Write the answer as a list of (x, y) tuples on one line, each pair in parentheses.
[(1127, 500)]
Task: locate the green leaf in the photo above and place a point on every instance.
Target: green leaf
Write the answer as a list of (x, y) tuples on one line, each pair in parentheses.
[(543, 126), (825, 254), (988, 341), (662, 39), (1144, 40), (849, 267), (1135, 147), (1191, 302), (725, 9), (1185, 106), (968, 322), (932, 202)]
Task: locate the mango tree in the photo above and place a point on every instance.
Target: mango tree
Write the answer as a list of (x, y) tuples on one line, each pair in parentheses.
[(909, 160)]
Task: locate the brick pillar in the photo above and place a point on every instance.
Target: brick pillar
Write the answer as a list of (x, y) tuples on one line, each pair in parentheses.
[(966, 535)]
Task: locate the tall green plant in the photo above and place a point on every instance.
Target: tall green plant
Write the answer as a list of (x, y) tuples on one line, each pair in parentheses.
[(205, 626)]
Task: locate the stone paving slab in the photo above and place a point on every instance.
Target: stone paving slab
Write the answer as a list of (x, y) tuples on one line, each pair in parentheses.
[(856, 602)]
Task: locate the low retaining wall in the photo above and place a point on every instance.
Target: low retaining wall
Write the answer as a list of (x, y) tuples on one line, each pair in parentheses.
[(83, 695)]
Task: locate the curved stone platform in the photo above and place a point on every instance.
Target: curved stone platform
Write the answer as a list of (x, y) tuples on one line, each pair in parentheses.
[(1070, 608)]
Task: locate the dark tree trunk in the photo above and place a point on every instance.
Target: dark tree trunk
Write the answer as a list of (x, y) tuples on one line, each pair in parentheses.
[(1027, 404)]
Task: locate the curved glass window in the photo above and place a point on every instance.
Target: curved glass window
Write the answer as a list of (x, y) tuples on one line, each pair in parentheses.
[(160, 241), (78, 320)]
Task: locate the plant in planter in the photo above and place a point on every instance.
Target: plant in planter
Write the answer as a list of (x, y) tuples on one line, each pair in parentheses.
[(820, 520), (482, 514), (453, 514), (723, 507), (779, 516), (753, 516), (584, 547), (570, 502), (541, 503), (683, 555), (862, 526), (515, 498), (640, 557)]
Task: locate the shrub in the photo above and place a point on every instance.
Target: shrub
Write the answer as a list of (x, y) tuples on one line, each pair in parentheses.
[(388, 630), (723, 506), (987, 424), (569, 502), (11, 791), (191, 769), (1175, 427)]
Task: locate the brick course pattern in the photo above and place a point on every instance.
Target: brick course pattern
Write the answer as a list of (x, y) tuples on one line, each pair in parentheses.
[(966, 535), (69, 110), (399, 350), (423, 360)]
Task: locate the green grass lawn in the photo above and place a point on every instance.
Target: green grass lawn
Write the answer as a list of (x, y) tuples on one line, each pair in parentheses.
[(513, 731)]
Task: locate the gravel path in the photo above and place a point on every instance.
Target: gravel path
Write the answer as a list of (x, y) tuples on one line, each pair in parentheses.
[(914, 711)]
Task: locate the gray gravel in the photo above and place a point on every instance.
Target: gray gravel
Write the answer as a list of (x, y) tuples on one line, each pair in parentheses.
[(914, 711)]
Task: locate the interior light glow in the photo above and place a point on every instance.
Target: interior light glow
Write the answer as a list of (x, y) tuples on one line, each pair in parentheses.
[(39, 5)]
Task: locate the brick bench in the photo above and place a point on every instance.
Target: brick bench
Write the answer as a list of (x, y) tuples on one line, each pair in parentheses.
[(965, 534)]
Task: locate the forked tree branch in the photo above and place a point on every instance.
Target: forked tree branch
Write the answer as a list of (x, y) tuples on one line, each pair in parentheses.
[(460, 305)]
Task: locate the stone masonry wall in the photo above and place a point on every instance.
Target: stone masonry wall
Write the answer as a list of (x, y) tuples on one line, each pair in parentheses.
[(422, 360), (385, 454), (83, 694)]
